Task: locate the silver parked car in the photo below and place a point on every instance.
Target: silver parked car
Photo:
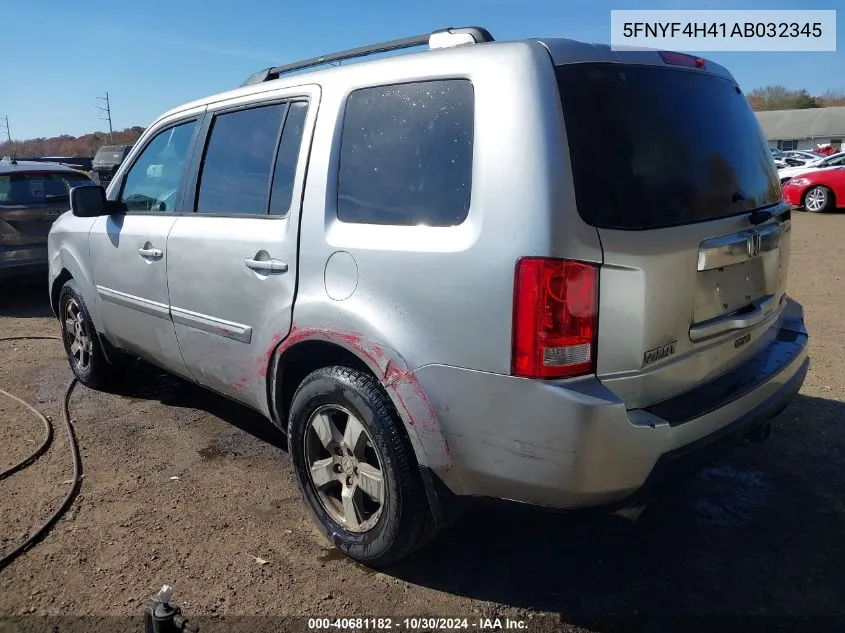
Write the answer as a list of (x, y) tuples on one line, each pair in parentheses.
[(429, 271)]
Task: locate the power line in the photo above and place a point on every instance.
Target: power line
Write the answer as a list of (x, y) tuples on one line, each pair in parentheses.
[(107, 110)]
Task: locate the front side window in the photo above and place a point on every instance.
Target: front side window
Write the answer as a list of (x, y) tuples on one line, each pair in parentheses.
[(152, 183), (406, 154), (238, 161)]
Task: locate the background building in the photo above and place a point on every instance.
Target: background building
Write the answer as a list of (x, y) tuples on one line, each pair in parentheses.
[(803, 129)]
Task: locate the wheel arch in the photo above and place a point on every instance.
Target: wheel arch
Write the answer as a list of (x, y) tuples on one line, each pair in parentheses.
[(69, 262), (307, 349), (61, 279)]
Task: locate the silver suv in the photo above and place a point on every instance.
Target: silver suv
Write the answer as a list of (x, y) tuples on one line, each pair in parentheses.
[(540, 271)]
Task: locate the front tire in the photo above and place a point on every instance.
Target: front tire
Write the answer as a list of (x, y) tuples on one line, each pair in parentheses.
[(80, 339), (355, 467), (818, 199)]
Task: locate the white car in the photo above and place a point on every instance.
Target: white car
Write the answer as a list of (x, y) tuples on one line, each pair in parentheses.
[(804, 155), (783, 160), (834, 160)]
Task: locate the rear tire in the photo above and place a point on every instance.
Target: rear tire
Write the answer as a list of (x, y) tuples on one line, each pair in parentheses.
[(819, 199), (349, 449), (82, 344)]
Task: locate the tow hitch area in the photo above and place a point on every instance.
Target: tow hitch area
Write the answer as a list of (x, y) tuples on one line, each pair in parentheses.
[(761, 433)]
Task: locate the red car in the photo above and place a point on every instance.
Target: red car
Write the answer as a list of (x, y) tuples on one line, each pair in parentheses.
[(817, 191)]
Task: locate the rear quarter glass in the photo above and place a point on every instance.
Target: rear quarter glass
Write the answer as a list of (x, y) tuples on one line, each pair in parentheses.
[(653, 147)]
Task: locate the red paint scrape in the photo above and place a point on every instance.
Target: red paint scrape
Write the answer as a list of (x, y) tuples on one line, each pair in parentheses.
[(375, 354), (394, 374), (264, 361)]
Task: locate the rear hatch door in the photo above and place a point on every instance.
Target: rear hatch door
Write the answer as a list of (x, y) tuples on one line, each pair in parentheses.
[(671, 167), (30, 201)]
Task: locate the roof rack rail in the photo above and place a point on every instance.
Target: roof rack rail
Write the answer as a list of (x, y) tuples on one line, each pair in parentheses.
[(441, 38)]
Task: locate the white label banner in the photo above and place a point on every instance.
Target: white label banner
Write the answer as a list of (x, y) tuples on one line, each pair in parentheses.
[(729, 30)]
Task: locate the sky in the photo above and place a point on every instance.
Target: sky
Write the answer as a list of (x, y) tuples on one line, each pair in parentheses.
[(152, 55)]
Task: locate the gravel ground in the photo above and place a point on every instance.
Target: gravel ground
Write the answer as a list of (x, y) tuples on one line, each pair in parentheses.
[(187, 488)]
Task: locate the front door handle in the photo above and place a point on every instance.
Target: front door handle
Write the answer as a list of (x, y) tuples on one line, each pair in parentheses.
[(148, 251), (267, 265)]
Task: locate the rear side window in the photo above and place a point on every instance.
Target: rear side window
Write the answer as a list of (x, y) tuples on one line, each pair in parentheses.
[(653, 147), (41, 187), (238, 161), (406, 154), (285, 170)]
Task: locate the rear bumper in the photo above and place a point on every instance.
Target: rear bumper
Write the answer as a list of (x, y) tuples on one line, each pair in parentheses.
[(572, 444), (23, 261), (688, 459)]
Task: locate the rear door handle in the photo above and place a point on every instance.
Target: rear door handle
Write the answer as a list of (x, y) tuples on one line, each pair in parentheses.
[(761, 310), (267, 265), (151, 253)]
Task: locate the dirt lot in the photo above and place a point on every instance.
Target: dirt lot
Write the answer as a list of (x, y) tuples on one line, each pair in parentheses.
[(760, 534)]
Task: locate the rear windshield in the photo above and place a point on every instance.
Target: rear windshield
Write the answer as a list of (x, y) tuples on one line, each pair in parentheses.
[(654, 147), (109, 155), (42, 187)]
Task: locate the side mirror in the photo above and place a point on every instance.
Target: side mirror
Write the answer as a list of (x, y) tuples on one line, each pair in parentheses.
[(89, 201)]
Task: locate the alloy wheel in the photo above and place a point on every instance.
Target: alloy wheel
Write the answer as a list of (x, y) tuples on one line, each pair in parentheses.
[(80, 344), (345, 468), (816, 199)]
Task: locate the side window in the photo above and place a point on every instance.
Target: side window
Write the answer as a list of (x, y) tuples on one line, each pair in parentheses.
[(406, 154), (280, 197), (152, 183), (235, 172)]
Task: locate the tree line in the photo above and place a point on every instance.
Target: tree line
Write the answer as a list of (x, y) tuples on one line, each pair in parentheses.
[(84, 146), (781, 98)]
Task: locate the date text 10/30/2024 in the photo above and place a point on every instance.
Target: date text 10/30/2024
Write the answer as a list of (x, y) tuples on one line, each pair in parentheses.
[(416, 624)]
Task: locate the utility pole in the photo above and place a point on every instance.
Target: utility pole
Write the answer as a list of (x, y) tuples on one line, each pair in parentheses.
[(107, 110), (8, 135)]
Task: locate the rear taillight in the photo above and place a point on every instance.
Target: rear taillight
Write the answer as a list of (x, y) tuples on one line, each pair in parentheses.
[(555, 313)]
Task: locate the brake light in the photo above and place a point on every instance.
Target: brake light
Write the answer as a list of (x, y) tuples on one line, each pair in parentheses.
[(555, 314), (682, 59)]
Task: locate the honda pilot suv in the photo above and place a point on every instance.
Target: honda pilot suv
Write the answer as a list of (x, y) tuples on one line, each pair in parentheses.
[(429, 271)]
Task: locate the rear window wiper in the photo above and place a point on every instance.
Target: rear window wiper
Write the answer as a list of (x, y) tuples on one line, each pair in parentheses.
[(56, 196)]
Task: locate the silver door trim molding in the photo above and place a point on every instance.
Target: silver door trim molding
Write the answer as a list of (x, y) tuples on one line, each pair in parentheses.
[(133, 302), (213, 325)]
